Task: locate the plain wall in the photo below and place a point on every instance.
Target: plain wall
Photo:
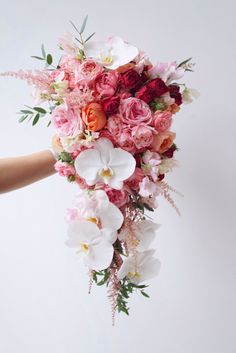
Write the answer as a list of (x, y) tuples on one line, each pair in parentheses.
[(44, 305)]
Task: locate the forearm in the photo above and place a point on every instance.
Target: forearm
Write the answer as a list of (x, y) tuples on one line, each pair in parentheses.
[(21, 171)]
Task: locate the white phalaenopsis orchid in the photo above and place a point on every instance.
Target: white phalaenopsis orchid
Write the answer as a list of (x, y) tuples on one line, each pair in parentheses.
[(111, 53), (105, 164), (145, 232), (94, 243), (140, 268), (189, 94), (95, 206)]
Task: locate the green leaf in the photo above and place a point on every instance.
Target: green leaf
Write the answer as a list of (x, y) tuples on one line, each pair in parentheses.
[(36, 119), (79, 40), (89, 37), (40, 110), (23, 118), (36, 57), (74, 26), (149, 208), (49, 59), (26, 111), (49, 123), (184, 62), (43, 51), (65, 157), (83, 25), (145, 294)]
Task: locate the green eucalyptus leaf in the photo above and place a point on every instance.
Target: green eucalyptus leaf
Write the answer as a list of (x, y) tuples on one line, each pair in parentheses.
[(184, 62), (83, 25), (89, 37), (74, 26), (43, 51), (49, 59), (26, 111), (145, 294), (23, 118), (36, 119), (36, 57), (40, 110)]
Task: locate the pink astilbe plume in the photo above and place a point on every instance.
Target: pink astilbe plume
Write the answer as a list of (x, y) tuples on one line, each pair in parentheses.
[(40, 78)]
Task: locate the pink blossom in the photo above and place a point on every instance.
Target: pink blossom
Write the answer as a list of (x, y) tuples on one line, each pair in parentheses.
[(166, 71), (135, 179), (106, 133), (106, 83), (151, 161), (142, 135), (134, 111), (72, 214), (64, 169), (114, 125), (162, 120), (87, 72), (118, 197), (66, 121), (148, 188)]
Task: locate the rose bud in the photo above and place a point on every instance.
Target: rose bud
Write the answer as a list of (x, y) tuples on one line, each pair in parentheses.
[(111, 105)]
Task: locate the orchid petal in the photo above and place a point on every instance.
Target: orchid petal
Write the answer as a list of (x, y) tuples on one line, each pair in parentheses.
[(87, 164), (122, 162), (100, 256)]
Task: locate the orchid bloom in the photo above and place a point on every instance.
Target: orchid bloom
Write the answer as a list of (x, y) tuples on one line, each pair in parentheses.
[(94, 206), (94, 243), (189, 94), (105, 164), (140, 268), (145, 232), (148, 188), (112, 53)]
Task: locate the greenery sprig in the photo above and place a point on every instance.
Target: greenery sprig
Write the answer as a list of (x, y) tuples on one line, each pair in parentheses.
[(33, 114)]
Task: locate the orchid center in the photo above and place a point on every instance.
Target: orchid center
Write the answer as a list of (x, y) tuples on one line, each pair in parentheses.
[(106, 58), (94, 220), (84, 247), (106, 172), (132, 274)]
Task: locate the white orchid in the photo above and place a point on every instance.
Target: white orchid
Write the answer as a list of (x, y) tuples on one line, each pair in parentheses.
[(105, 164), (189, 94), (94, 243), (140, 268), (145, 232), (111, 53), (94, 206)]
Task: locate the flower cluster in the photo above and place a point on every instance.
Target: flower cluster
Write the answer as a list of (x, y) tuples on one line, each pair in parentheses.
[(112, 111)]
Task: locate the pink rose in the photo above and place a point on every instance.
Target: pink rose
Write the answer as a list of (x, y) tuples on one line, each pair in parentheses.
[(106, 133), (106, 83), (118, 197), (142, 135), (114, 125), (135, 179), (88, 71), (66, 121), (125, 141), (64, 169), (134, 111), (162, 120)]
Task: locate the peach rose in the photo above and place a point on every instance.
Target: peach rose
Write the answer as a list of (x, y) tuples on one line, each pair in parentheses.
[(126, 67), (163, 141), (94, 117)]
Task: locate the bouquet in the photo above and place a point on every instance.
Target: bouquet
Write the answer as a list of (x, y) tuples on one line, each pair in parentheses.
[(112, 112)]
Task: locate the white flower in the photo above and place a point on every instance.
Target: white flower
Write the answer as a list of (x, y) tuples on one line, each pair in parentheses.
[(94, 206), (105, 164), (167, 71), (189, 94), (140, 268), (94, 243), (145, 232), (112, 53), (167, 165), (148, 188)]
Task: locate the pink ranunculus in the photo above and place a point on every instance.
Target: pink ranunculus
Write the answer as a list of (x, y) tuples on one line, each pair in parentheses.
[(125, 141), (162, 120), (64, 169), (134, 111), (118, 197), (106, 83), (135, 179), (142, 135), (87, 72), (66, 121)]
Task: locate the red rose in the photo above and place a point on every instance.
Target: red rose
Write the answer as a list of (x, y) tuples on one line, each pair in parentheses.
[(175, 93), (130, 79), (111, 105), (158, 86), (146, 94)]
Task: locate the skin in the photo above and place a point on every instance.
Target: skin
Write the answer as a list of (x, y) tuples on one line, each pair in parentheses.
[(17, 172)]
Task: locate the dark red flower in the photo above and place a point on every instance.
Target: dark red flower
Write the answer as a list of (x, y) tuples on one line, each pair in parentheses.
[(130, 79), (146, 94), (175, 93), (111, 105), (161, 177), (158, 87), (170, 152)]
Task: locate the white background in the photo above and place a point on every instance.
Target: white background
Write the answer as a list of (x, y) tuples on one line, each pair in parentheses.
[(44, 305)]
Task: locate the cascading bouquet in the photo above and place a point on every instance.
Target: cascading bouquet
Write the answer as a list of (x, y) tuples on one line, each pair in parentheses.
[(112, 111)]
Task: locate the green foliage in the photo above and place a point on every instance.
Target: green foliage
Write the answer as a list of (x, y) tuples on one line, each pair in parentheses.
[(184, 63), (101, 277), (47, 58), (80, 31), (65, 157), (33, 114)]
